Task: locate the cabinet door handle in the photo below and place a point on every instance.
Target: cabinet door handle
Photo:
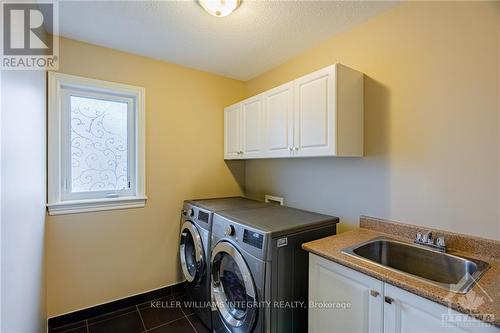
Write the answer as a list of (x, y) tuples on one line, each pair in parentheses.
[(388, 299), (290, 148), (374, 293)]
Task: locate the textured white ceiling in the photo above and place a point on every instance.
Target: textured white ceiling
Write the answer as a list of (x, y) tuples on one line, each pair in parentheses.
[(258, 36)]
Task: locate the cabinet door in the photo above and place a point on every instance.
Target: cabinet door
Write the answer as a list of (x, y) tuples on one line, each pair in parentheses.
[(251, 127), (232, 131), (315, 113), (409, 313), (343, 300), (278, 121)]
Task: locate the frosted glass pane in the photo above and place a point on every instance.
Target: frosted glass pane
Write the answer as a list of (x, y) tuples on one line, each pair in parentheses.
[(98, 145)]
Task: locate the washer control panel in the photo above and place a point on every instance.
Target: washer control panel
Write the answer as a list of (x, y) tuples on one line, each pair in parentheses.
[(253, 238)]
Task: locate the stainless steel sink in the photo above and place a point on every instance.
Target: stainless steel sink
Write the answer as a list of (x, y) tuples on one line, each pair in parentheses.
[(445, 270)]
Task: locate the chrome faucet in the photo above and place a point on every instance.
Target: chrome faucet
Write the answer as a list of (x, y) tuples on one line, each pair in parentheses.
[(441, 242), (426, 239)]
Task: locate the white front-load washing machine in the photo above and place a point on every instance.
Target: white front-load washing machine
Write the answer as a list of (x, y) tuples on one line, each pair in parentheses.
[(194, 248)]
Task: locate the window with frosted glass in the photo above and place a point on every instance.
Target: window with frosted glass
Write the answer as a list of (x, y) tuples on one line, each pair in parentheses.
[(98, 145)]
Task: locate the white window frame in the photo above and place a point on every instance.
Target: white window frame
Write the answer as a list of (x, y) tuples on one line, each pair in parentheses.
[(60, 198)]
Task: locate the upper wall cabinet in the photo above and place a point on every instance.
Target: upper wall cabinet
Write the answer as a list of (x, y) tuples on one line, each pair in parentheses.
[(319, 114), (243, 129), (251, 127), (278, 121), (232, 131)]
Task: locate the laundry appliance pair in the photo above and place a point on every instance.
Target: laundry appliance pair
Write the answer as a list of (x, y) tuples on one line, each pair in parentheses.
[(195, 247), (244, 259)]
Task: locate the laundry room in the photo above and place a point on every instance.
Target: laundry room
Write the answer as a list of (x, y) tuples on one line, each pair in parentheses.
[(244, 166)]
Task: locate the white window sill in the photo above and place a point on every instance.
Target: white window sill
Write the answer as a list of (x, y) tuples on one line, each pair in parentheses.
[(95, 205)]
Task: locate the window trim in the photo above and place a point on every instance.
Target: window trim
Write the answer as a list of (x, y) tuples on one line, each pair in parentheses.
[(58, 83)]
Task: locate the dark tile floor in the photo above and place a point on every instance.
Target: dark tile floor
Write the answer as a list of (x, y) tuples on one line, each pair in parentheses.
[(166, 314)]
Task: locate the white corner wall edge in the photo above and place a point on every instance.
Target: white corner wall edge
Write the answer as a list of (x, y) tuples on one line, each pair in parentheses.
[(1, 209), (22, 212)]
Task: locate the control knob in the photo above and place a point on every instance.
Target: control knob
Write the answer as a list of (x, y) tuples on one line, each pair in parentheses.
[(230, 230)]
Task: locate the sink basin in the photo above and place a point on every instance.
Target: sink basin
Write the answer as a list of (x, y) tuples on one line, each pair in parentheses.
[(445, 270)]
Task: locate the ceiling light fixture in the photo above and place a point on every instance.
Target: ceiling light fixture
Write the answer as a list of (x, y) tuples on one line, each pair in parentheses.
[(219, 8)]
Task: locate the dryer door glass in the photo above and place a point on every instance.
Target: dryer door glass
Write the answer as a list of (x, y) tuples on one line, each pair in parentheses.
[(232, 287), (191, 252)]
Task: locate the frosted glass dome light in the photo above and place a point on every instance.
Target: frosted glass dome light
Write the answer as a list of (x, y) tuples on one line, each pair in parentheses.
[(219, 8)]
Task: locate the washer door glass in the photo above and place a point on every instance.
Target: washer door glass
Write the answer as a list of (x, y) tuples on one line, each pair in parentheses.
[(233, 288), (191, 252)]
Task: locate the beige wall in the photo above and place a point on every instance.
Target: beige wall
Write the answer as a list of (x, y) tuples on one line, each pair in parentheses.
[(22, 212), (98, 257), (432, 122)]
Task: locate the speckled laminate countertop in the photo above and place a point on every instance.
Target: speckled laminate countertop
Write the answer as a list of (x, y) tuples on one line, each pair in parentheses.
[(488, 286)]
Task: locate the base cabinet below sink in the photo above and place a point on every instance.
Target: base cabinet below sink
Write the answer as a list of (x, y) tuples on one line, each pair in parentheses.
[(346, 301)]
